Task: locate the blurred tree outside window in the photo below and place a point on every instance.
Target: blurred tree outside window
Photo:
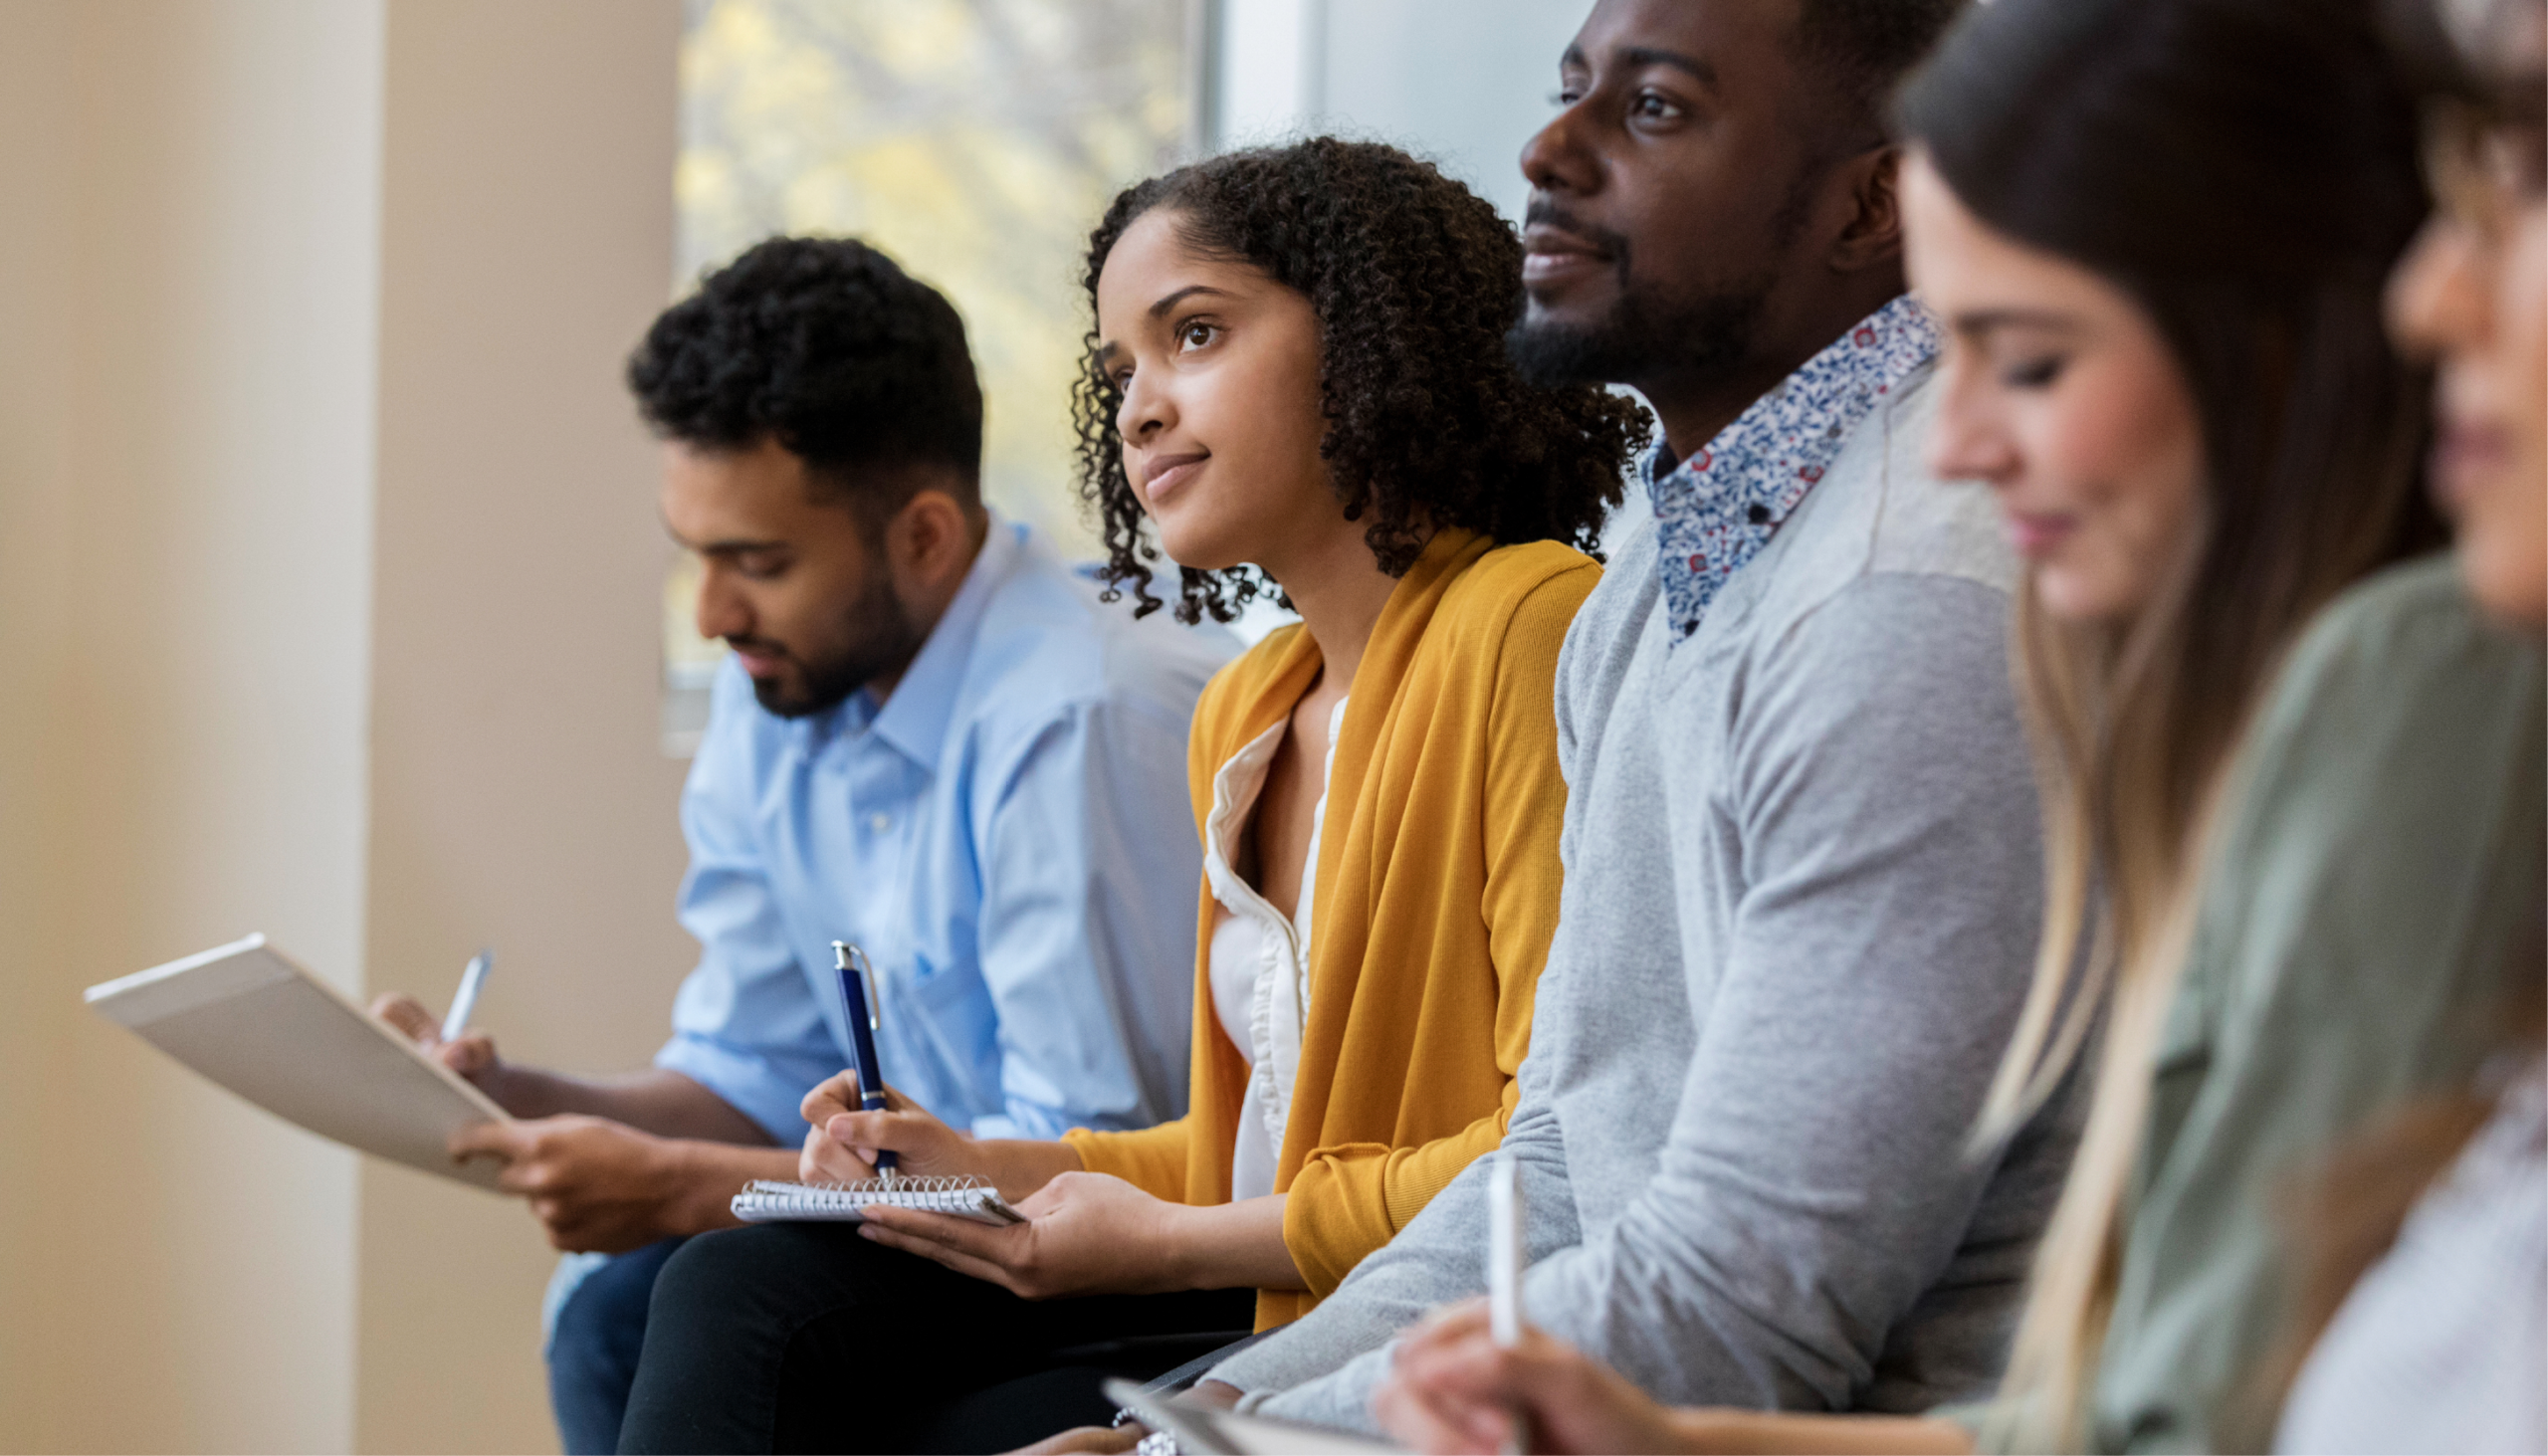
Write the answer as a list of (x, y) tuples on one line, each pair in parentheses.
[(975, 141)]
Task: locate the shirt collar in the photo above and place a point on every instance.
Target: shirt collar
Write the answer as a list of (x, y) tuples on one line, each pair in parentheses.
[(1715, 511), (914, 720)]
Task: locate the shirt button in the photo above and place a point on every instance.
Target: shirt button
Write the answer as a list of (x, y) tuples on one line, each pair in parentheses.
[(879, 823)]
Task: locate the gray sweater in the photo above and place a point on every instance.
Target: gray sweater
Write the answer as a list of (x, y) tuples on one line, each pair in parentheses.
[(1801, 903)]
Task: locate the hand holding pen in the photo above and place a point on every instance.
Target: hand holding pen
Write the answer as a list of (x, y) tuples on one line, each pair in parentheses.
[(860, 1124), (449, 1040), (844, 1135), (845, 1138)]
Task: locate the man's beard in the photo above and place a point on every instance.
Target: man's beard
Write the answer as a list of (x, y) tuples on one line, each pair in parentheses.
[(1695, 342), (878, 638)]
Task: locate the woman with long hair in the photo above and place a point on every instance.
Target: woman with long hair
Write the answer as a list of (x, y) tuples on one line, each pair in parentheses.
[(1297, 387), (2155, 234), (2441, 1345)]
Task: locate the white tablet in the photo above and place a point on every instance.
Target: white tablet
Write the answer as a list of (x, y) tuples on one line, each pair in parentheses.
[(246, 1016), (1208, 1431)]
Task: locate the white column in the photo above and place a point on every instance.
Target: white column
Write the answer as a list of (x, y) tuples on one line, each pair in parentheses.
[(1270, 76), (1463, 81)]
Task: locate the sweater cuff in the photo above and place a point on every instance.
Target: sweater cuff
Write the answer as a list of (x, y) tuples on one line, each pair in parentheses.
[(1152, 1159), (1335, 1211)]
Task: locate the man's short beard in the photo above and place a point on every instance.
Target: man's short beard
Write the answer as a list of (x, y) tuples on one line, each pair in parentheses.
[(1695, 342), (880, 638)]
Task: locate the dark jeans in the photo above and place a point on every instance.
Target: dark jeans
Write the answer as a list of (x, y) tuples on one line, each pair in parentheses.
[(804, 1336), (592, 1353)]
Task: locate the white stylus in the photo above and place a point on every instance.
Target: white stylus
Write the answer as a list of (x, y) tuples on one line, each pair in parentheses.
[(464, 1001), (1504, 1249), (1504, 1265)]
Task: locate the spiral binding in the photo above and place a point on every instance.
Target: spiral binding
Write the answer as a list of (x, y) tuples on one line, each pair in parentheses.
[(970, 1197), (945, 1185)]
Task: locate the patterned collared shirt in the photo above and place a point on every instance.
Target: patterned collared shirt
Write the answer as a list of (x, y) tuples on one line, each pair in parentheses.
[(1718, 508)]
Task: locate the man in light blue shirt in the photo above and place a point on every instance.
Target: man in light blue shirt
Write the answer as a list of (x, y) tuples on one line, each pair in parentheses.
[(933, 742), (1008, 837)]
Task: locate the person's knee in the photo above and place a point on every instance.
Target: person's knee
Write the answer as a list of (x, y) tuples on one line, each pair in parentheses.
[(595, 1347), (745, 1273), (603, 1321), (589, 1326)]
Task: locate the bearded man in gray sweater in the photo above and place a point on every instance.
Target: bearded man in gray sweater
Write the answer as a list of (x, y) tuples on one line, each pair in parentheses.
[(1801, 845)]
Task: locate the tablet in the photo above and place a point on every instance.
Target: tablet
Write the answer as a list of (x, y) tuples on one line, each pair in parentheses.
[(1208, 1430), (251, 1019)]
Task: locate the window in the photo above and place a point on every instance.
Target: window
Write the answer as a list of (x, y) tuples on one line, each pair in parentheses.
[(976, 141)]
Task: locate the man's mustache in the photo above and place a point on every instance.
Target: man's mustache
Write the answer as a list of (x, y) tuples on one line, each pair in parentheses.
[(758, 647), (1543, 212)]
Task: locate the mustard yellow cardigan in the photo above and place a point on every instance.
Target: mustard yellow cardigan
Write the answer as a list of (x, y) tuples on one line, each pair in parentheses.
[(1436, 897)]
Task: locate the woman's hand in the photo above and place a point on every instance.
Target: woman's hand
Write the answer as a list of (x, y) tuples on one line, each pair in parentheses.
[(1454, 1389), (1086, 1233), (842, 1144)]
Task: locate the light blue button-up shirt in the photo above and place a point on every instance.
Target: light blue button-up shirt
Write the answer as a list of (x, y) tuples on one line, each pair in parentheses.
[(1008, 839)]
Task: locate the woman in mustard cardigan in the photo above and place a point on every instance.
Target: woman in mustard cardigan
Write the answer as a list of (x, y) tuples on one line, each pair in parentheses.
[(1298, 385)]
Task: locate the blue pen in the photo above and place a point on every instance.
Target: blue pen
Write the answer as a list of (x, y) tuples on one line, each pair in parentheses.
[(862, 1041)]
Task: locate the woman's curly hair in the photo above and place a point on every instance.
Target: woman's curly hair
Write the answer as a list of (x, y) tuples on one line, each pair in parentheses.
[(1414, 279)]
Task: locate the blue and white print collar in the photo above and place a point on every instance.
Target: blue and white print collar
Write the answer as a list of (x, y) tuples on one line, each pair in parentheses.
[(1715, 510)]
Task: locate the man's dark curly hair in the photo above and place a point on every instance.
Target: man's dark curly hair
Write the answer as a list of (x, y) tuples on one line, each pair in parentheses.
[(1414, 279), (824, 345), (1863, 49)]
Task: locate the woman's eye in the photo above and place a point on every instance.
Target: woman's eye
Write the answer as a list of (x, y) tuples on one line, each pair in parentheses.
[(1651, 106), (1565, 97), (1195, 335), (2033, 373)]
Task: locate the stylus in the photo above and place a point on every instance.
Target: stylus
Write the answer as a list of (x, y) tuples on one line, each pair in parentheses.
[(464, 1001)]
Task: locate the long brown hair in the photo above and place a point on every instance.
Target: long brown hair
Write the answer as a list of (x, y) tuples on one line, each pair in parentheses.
[(2245, 170)]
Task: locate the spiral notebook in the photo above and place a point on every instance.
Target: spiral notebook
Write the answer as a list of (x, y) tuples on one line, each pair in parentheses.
[(762, 1202)]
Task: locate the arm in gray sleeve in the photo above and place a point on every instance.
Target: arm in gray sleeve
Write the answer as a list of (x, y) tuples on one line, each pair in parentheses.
[(1441, 1255), (1879, 818)]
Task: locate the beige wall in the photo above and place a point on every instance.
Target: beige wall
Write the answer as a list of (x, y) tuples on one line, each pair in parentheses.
[(518, 795), (328, 586), (35, 554), (189, 353)]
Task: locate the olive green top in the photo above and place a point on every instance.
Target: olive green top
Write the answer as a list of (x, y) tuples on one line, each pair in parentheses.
[(2380, 857)]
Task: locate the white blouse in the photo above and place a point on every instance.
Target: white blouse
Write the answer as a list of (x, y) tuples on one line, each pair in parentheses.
[(2442, 1344), (1259, 959)]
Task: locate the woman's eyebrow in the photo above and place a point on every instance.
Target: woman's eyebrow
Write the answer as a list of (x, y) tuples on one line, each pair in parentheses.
[(1980, 322), (1159, 309)]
